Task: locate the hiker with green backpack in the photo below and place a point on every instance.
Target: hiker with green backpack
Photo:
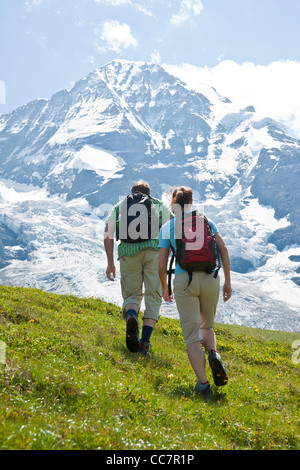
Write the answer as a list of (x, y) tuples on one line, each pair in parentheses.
[(197, 247), (135, 221)]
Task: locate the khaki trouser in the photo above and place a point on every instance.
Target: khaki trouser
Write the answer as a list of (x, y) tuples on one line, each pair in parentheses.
[(196, 304), (139, 270)]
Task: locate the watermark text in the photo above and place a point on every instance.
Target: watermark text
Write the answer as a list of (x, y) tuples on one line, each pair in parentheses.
[(296, 354), (2, 352), (2, 92)]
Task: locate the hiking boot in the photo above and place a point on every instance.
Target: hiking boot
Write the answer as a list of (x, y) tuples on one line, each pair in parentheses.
[(217, 368), (132, 334), (206, 393), (144, 347)]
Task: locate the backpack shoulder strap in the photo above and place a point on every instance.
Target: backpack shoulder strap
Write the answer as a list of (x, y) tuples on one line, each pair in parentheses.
[(171, 271), (118, 208)]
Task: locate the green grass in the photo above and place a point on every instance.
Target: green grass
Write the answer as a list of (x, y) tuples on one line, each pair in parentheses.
[(70, 383)]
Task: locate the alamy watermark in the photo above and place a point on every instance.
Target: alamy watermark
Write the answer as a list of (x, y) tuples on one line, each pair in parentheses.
[(2, 352), (296, 354), (136, 226), (2, 92)]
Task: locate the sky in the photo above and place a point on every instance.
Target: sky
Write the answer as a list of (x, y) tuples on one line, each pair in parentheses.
[(249, 50)]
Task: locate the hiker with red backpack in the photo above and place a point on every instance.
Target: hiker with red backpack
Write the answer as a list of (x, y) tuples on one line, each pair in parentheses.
[(135, 221), (197, 247)]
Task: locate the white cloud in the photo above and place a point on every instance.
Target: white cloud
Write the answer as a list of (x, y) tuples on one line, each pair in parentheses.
[(142, 9), (188, 8), (40, 39), (155, 57), (116, 36), (116, 3), (90, 59), (30, 4), (2, 92), (272, 89)]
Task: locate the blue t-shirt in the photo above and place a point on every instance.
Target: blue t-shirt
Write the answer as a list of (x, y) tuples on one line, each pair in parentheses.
[(167, 238)]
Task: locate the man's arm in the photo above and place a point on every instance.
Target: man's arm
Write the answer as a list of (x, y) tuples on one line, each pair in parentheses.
[(162, 272), (226, 266), (109, 249)]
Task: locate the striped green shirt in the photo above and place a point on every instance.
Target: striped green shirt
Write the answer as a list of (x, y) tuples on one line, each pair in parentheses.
[(132, 249)]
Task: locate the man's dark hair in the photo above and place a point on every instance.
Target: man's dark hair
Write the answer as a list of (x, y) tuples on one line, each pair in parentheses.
[(142, 187)]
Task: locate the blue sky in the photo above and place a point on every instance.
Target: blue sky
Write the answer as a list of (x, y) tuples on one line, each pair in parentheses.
[(248, 49)]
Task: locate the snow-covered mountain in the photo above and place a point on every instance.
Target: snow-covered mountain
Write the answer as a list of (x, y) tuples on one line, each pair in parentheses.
[(64, 161)]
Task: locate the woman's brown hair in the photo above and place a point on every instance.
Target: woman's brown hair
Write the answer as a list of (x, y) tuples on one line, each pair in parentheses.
[(182, 196)]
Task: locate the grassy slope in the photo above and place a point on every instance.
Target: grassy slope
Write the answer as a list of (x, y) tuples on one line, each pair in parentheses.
[(70, 383)]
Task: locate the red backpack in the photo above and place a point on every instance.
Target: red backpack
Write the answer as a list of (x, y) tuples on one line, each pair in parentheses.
[(196, 247)]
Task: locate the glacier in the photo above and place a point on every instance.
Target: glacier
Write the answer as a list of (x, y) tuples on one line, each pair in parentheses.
[(67, 159)]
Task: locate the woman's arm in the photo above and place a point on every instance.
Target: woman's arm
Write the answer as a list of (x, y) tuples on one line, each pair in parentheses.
[(226, 266), (162, 271)]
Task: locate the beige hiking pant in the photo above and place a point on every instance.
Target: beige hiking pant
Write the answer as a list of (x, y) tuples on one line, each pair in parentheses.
[(196, 304), (138, 271)]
